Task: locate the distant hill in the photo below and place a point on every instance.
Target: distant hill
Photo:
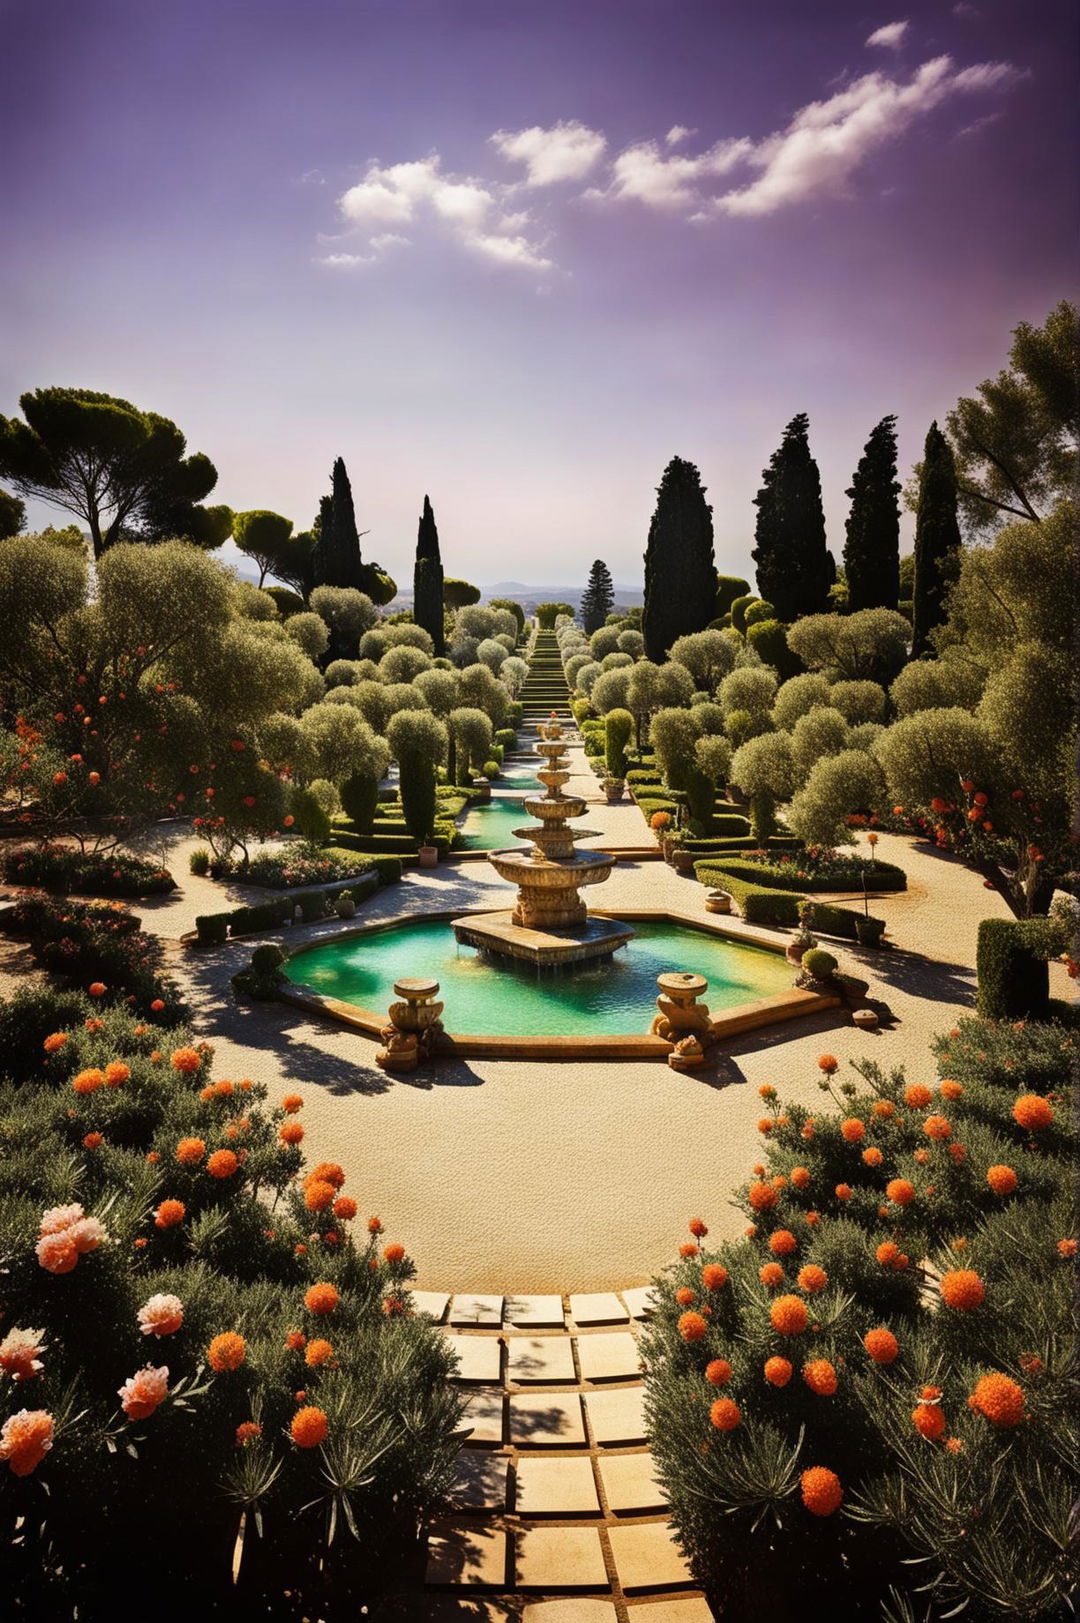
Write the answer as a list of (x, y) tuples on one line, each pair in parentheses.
[(529, 596)]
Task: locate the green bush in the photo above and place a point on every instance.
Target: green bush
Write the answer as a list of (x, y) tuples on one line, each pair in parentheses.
[(756, 903), (492, 769), (199, 861), (757, 612), (839, 921), (738, 610), (310, 816), (507, 737), (819, 963), (1011, 964), (268, 957), (619, 729), (790, 875), (259, 917), (312, 905), (212, 928), (388, 869), (360, 800)]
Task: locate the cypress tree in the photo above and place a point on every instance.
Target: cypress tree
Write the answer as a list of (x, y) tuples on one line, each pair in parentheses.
[(598, 597), (937, 538), (794, 566), (680, 575), (872, 541), (428, 581), (337, 551)]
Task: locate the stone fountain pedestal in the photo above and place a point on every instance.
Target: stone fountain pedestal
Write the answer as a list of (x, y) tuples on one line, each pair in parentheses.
[(549, 923)]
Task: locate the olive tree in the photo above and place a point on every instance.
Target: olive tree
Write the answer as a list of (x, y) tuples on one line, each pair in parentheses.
[(403, 663), (798, 695), (764, 769), (937, 684), (870, 643), (417, 741), (752, 688), (823, 731), (850, 781), (471, 732), (709, 656), (858, 701), (650, 688)]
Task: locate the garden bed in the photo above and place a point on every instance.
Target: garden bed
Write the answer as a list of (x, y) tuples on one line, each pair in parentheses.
[(81, 873)]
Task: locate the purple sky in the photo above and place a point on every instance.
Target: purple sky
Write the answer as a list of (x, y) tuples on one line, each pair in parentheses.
[(696, 218)]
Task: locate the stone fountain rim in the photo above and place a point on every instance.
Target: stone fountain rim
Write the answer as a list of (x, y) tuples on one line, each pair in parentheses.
[(750, 1016)]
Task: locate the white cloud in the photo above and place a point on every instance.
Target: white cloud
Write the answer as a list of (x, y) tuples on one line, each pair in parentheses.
[(346, 261), (388, 239), (566, 151), (643, 174), (677, 134), (826, 141), (962, 9), (891, 36), (508, 250)]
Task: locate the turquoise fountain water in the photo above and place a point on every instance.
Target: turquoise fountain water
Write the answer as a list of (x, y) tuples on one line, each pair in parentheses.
[(503, 998)]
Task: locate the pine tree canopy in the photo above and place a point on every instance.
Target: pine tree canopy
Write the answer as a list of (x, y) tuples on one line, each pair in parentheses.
[(428, 580), (337, 554), (872, 544), (598, 597), (794, 566), (680, 575), (937, 538)]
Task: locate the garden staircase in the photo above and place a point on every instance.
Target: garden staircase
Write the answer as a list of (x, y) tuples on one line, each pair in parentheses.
[(545, 686)]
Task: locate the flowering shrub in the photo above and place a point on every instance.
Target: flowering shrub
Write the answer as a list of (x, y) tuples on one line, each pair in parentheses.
[(816, 868), (285, 869), (99, 873), (96, 947), (188, 1349), (895, 1330)]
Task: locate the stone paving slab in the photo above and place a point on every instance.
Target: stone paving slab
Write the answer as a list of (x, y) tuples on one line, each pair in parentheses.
[(613, 1357), (617, 1417), (481, 1481), (479, 1357), (546, 1420), (686, 1609), (555, 1485), (646, 1557), (535, 1311), (540, 1358), (597, 1307), (485, 1416), (433, 1303), (560, 1558), (467, 1555), (639, 1301), (570, 1611), (469, 1308), (630, 1484)]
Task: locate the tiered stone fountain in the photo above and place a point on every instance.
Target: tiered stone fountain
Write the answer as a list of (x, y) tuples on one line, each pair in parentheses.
[(550, 923)]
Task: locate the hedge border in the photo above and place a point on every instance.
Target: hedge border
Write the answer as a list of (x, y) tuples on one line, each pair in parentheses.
[(213, 929), (1012, 967)]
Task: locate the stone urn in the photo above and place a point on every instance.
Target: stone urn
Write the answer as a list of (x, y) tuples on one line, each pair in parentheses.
[(414, 1025), (683, 860), (686, 1055), (483, 787), (428, 855), (678, 1013), (718, 901), (614, 789), (868, 931)]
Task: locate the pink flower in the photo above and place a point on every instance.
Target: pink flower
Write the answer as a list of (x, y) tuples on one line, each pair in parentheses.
[(26, 1439), (142, 1392), (56, 1253), (58, 1218), (161, 1315), (86, 1235), (19, 1354)]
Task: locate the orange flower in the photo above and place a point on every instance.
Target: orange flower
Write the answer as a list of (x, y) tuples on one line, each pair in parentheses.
[(697, 1228), (962, 1289), (294, 1340), (319, 1195), (142, 1392), (800, 1177), (852, 1130), (883, 1109), (692, 1326), (291, 1132), (185, 1060), (93, 1141), (169, 1213), (291, 1103), (321, 1298), (1032, 1111), (88, 1081), (327, 1172), (782, 1242), (957, 1151), (950, 1089), (766, 1091), (1066, 1248), (718, 1372), (374, 1225), (246, 1432), (53, 1044), (812, 1278), (725, 1414), (820, 1377), (808, 1130), (999, 1399), (25, 1439), (778, 1371), (872, 1157), (887, 1252), (771, 1274), (684, 1296), (344, 1208), (937, 1127), (714, 1276), (922, 1157), (762, 1196), (843, 1191), (928, 1420), (821, 1490), (917, 1095), (828, 1063), (788, 1314), (1001, 1179), (117, 1073), (954, 1445), (308, 1427), (190, 1151), (882, 1346), (318, 1352), (900, 1192), (689, 1249), (765, 1125), (222, 1164), (813, 1218), (97, 988), (394, 1252), (392, 1305), (227, 1351)]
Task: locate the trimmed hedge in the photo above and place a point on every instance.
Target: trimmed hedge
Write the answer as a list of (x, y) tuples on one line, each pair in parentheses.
[(1012, 965), (262, 916), (764, 904), (887, 877), (841, 921)]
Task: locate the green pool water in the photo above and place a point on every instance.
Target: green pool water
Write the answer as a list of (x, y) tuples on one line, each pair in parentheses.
[(496, 998), (491, 827)]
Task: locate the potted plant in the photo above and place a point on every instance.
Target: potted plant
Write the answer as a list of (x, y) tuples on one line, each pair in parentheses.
[(614, 789), (804, 940), (869, 931), (661, 823), (818, 966), (681, 857)]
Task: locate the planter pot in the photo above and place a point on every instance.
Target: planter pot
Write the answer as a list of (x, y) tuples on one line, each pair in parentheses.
[(868, 932), (718, 901), (793, 952), (428, 855), (667, 847), (683, 861), (614, 789)]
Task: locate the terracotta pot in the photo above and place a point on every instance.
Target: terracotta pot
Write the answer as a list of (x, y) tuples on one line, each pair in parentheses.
[(683, 861), (429, 855), (667, 846), (793, 952), (614, 789)]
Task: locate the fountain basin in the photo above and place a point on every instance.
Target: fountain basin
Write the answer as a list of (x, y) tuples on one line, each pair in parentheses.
[(579, 944)]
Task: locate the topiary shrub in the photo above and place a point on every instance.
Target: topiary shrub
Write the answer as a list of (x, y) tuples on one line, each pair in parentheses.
[(268, 957), (312, 905), (619, 729), (418, 741), (388, 869), (309, 816), (360, 799), (492, 769), (819, 963), (212, 929), (1011, 961)]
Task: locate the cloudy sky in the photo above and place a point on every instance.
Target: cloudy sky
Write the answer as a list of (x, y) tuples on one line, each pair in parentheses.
[(518, 254)]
